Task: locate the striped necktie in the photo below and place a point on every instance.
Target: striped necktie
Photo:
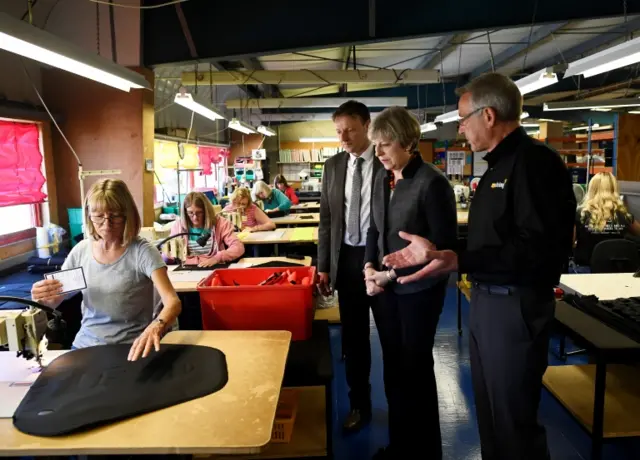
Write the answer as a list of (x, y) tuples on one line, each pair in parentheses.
[(353, 220)]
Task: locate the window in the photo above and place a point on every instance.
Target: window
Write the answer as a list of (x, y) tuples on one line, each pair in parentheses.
[(15, 219)]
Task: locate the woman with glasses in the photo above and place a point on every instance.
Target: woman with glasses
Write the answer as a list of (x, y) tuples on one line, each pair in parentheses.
[(273, 199), (121, 271), (197, 217)]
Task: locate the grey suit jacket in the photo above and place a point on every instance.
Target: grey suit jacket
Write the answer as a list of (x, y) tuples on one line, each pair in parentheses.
[(332, 221)]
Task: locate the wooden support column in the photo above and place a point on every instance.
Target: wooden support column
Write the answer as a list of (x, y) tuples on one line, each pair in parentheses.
[(551, 130), (628, 162)]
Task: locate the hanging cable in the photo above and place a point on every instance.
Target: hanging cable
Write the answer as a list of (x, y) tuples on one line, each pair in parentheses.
[(26, 72), (112, 31), (138, 7), (533, 21), (444, 92), (98, 27), (493, 64)]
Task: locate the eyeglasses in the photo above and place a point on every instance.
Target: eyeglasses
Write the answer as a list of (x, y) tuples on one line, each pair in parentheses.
[(194, 214), (113, 218), (463, 120)]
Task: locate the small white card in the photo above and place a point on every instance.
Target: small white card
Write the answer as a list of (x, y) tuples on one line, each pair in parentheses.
[(72, 279)]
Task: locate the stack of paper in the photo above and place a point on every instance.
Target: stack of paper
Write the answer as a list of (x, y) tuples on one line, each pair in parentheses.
[(303, 234)]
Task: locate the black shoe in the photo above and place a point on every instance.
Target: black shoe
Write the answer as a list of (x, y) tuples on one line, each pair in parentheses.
[(356, 420)]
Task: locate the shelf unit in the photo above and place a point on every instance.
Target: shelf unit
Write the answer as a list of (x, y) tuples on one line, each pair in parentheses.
[(295, 157)]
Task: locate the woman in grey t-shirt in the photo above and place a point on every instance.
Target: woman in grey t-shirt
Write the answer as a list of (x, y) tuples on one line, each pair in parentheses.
[(121, 270)]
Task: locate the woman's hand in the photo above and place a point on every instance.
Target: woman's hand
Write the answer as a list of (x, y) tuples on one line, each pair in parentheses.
[(208, 262), (251, 229), (150, 338), (47, 292), (379, 278), (373, 289)]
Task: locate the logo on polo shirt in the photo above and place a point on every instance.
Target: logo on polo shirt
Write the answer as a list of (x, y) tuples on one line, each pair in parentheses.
[(499, 184)]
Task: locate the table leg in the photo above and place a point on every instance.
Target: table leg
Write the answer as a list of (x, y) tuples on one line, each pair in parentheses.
[(562, 344), (275, 249), (598, 408), (459, 304)]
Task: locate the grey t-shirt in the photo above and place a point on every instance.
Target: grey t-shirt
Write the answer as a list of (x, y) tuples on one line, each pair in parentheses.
[(118, 302)]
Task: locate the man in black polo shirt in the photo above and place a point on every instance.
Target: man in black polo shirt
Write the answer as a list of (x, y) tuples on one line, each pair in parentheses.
[(519, 242)]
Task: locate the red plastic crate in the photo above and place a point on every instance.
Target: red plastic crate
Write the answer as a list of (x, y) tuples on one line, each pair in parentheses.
[(251, 307)]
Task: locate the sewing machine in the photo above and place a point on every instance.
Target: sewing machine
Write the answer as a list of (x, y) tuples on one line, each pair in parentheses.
[(22, 331)]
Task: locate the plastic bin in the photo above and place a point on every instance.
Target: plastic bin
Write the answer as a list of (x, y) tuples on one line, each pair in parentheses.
[(285, 416), (252, 307)]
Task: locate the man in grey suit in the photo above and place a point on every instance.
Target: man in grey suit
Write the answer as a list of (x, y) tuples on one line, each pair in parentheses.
[(345, 206)]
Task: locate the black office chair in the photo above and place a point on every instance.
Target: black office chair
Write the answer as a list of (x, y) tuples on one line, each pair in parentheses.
[(615, 256)]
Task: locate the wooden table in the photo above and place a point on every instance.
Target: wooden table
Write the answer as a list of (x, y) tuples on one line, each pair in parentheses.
[(463, 217), (306, 206), (297, 219), (235, 420), (601, 397), (192, 286)]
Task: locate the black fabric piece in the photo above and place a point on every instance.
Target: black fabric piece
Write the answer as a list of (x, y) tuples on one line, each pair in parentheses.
[(195, 267), (275, 263), (93, 386), (57, 259), (623, 315), (44, 268)]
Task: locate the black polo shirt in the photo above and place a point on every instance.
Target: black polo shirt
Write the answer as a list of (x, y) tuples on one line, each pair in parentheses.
[(521, 217)]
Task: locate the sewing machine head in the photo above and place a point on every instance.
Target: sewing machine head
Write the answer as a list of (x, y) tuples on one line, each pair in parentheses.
[(22, 331)]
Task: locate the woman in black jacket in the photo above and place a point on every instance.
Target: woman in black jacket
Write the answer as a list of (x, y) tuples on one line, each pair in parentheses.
[(409, 196)]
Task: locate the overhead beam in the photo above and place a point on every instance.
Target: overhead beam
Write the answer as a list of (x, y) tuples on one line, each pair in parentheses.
[(514, 51), (216, 37), (312, 102), (433, 59), (307, 77), (254, 64), (593, 44)]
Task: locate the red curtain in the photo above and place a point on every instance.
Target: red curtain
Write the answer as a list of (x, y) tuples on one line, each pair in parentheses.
[(21, 177)]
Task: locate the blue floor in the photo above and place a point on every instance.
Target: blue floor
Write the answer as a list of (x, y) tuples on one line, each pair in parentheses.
[(567, 440)]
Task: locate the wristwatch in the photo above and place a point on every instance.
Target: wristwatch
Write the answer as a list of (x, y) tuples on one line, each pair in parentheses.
[(391, 277)]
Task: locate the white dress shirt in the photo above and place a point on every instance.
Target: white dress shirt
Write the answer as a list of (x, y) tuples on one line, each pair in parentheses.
[(365, 193)]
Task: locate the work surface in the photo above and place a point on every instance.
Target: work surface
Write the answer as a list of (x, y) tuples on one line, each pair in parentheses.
[(298, 219), (281, 236), (236, 420), (605, 286)]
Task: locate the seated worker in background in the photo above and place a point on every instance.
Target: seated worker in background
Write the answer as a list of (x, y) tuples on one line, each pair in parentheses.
[(121, 270), (601, 216), (274, 200), (281, 184), (197, 216), (253, 218)]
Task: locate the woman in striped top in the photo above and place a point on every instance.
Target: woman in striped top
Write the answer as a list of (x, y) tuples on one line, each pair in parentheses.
[(254, 219), (197, 216)]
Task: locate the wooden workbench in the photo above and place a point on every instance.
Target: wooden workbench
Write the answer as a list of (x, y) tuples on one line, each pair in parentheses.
[(235, 420), (297, 219), (192, 286), (605, 286), (463, 217), (288, 236), (306, 206)]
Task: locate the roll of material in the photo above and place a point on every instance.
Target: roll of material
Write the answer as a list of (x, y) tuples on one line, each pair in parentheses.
[(42, 237)]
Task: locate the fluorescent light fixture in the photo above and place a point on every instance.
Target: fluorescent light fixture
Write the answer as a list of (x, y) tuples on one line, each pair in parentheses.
[(319, 139), (635, 112), (428, 127), (21, 38), (537, 80), (598, 109), (448, 117), (622, 55), (186, 100), (266, 130), (524, 115), (584, 128), (588, 105), (595, 127), (240, 126), (533, 133), (530, 125)]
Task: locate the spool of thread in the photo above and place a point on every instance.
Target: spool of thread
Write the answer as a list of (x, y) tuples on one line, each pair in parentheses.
[(42, 242)]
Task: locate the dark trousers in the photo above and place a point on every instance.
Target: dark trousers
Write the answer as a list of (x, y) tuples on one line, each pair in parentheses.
[(354, 305), (509, 341), (407, 326)]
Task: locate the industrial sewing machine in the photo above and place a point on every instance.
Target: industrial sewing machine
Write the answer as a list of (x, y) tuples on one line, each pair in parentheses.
[(23, 331)]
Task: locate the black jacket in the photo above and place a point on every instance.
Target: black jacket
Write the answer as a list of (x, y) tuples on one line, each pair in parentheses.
[(521, 217), (423, 204)]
